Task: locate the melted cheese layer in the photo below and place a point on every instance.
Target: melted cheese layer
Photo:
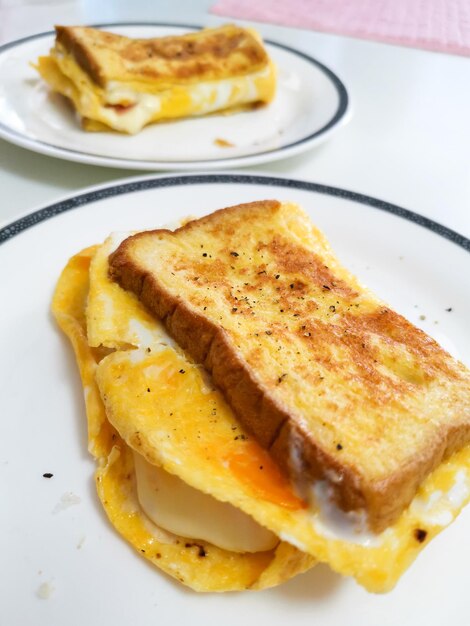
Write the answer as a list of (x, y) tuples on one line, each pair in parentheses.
[(175, 506)]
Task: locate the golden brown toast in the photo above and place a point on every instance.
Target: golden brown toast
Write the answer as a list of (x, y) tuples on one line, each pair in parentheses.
[(349, 397), (209, 54)]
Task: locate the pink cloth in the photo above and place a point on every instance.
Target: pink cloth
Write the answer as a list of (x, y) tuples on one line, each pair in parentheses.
[(439, 25)]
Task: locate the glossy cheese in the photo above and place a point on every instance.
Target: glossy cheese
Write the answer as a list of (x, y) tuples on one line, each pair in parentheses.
[(175, 506)]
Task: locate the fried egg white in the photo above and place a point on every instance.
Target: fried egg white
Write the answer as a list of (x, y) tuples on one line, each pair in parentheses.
[(186, 427), (197, 563), (114, 318)]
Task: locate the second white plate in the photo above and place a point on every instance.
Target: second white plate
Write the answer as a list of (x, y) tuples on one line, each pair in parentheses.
[(311, 102)]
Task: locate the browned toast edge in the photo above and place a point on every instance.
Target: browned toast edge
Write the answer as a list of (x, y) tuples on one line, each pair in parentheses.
[(66, 37)]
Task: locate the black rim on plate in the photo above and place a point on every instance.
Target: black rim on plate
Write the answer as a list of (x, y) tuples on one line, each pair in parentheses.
[(18, 226), (341, 109)]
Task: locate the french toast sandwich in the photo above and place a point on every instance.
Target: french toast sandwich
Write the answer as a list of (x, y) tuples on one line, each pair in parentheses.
[(119, 83), (356, 404)]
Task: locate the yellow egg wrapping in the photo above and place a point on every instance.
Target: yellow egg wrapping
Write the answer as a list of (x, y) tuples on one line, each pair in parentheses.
[(164, 407), (199, 565)]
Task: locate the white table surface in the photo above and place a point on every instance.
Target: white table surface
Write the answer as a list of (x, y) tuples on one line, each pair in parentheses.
[(408, 141)]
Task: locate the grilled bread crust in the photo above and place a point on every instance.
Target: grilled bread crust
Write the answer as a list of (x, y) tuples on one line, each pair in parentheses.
[(340, 388), (210, 54)]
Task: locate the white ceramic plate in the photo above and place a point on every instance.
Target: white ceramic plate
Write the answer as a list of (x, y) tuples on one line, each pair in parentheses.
[(311, 103), (422, 269)]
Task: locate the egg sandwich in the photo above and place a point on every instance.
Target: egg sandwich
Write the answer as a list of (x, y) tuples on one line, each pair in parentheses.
[(122, 84), (284, 388)]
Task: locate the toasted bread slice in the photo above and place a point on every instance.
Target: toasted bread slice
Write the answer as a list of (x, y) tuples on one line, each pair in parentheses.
[(122, 84), (349, 397), (209, 54)]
